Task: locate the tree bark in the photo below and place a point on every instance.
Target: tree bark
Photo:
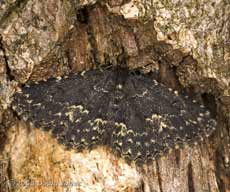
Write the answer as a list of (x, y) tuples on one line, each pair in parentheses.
[(185, 42)]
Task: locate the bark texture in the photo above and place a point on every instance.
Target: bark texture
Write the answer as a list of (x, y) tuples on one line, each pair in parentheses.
[(186, 42)]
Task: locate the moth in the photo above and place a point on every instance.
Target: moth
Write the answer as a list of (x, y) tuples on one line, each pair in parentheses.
[(131, 113)]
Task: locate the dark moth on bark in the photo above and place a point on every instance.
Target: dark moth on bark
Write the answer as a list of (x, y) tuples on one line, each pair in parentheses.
[(131, 113)]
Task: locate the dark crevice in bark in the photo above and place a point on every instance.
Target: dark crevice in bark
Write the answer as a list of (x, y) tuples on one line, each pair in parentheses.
[(209, 187), (159, 177), (8, 119), (3, 136), (122, 58), (218, 170), (83, 15), (177, 155), (190, 178), (142, 188), (92, 42), (83, 20), (69, 58), (167, 75), (9, 170), (8, 71)]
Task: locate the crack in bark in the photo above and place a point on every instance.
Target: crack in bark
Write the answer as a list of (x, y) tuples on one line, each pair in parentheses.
[(177, 155), (159, 176), (83, 15), (218, 171), (83, 18), (190, 178), (8, 71)]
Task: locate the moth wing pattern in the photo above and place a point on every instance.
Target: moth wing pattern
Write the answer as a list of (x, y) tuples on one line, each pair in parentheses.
[(140, 118), (70, 108), (157, 120)]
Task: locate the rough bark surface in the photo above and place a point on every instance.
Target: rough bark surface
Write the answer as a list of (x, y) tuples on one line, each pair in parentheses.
[(186, 42)]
